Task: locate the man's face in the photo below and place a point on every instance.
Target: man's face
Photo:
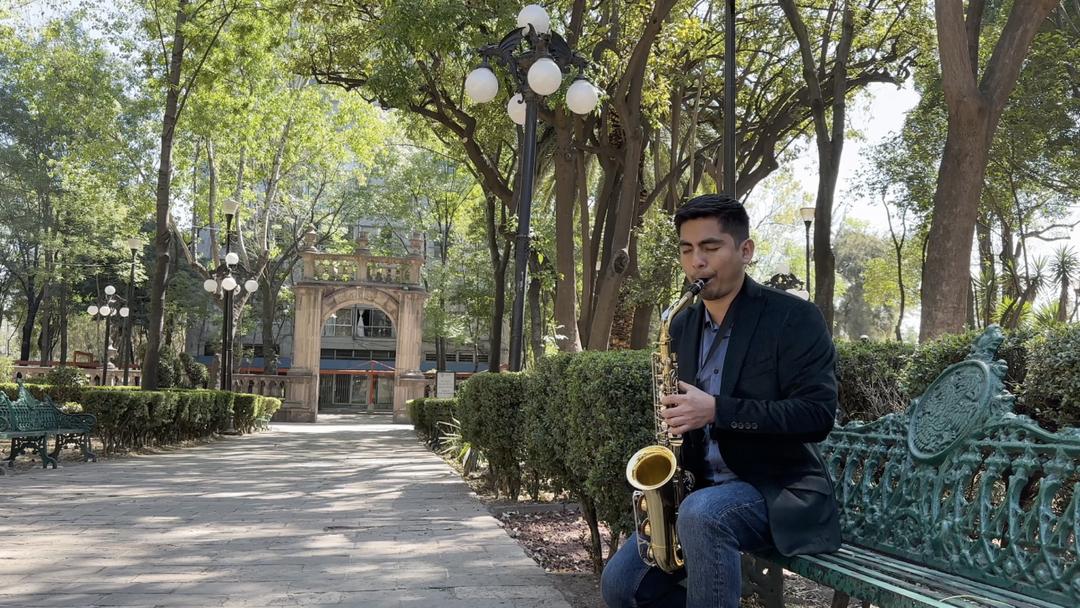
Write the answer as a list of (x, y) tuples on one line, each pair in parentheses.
[(707, 252)]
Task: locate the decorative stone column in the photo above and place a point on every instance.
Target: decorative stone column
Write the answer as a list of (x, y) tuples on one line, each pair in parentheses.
[(302, 404), (408, 379)]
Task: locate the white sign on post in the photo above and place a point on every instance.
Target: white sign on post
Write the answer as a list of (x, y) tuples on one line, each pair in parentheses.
[(444, 385)]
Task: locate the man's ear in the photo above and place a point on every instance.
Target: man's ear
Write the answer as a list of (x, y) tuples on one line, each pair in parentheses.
[(746, 250)]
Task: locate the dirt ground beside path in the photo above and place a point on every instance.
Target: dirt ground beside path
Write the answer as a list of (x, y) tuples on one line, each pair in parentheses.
[(557, 541)]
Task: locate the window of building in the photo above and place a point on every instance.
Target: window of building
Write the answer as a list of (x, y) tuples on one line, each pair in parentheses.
[(373, 323), (339, 325)]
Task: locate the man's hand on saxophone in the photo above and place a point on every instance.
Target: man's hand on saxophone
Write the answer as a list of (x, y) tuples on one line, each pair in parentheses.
[(692, 409)]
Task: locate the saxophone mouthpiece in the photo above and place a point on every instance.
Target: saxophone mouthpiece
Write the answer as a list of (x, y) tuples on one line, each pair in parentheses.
[(698, 285)]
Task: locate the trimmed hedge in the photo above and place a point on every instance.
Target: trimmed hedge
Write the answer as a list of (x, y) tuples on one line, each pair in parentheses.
[(609, 412), (1051, 390), (868, 379), (128, 418), (490, 412), (427, 413)]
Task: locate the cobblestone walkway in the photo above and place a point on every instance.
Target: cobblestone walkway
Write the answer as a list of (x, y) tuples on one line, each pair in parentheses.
[(347, 512)]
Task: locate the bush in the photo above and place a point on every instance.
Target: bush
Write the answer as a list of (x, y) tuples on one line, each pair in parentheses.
[(248, 409), (609, 417), (438, 413), (63, 379), (7, 369), (427, 414), (1051, 390), (931, 358), (195, 374), (490, 413), (170, 370), (868, 379), (129, 419), (414, 408), (546, 425)]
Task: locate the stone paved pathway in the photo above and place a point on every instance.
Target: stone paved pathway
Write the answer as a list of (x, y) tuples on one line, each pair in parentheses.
[(347, 512)]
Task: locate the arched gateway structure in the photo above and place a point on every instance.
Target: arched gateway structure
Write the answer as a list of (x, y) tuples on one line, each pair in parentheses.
[(331, 282)]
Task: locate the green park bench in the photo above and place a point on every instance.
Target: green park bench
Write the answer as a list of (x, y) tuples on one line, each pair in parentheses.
[(955, 502), (29, 422)]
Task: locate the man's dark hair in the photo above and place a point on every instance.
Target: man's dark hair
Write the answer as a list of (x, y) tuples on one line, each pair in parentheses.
[(729, 212)]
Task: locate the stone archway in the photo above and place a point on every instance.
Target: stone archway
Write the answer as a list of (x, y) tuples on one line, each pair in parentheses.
[(334, 281)]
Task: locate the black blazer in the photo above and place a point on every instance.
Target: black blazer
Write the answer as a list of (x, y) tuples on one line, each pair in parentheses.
[(777, 397)]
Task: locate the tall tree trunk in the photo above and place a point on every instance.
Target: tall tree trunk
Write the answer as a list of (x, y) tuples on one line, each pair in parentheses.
[(164, 181), (45, 336), (64, 324), (499, 262), (975, 106), (566, 195), (829, 139), (268, 296), (33, 305), (536, 315), (1063, 300), (989, 269), (211, 202)]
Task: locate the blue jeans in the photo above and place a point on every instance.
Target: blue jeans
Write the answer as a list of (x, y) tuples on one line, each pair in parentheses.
[(715, 524)]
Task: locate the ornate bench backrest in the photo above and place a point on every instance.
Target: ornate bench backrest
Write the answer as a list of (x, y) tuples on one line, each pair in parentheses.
[(41, 414), (962, 484), (21, 413)]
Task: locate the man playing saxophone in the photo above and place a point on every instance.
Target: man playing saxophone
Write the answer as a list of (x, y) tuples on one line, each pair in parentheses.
[(757, 389)]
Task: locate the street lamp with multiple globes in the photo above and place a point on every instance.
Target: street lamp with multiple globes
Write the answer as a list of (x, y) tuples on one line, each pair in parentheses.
[(536, 71), (807, 215), (227, 285), (107, 310), (134, 244)]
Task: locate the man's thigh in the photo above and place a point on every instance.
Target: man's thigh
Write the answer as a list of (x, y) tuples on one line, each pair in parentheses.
[(733, 509)]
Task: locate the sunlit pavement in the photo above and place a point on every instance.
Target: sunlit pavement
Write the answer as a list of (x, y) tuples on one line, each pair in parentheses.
[(352, 511)]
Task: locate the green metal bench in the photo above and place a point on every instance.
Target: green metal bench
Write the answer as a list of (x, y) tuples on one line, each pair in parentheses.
[(29, 422), (956, 502)]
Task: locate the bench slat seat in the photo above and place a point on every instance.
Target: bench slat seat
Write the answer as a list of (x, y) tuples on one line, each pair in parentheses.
[(887, 581)]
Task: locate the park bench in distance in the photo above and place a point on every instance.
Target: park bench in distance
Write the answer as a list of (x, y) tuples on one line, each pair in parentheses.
[(29, 422), (956, 502)]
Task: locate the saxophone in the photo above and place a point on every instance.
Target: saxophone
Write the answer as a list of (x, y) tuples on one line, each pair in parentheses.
[(655, 472)]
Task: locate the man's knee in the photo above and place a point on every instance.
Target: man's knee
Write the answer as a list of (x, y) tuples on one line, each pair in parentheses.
[(694, 512), (614, 588)]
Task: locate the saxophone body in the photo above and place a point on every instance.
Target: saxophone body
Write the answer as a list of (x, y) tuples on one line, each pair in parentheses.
[(659, 481)]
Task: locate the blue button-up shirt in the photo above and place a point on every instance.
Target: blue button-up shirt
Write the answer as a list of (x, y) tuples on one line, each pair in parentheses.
[(709, 377)]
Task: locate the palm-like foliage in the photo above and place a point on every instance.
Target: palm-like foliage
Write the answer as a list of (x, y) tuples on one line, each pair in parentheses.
[(1064, 268)]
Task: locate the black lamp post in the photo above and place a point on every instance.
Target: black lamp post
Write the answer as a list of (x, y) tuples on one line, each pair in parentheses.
[(807, 215), (128, 347), (536, 71), (227, 285), (107, 310)]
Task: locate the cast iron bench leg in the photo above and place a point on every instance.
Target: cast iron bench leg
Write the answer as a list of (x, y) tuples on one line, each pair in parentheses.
[(88, 456)]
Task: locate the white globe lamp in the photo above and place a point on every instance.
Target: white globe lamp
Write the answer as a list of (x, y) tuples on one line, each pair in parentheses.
[(232, 259), (110, 290), (91, 310), (104, 310), (125, 311), (516, 109), (210, 285), (545, 77), (251, 285), (481, 85), (228, 283), (536, 16), (581, 97)]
